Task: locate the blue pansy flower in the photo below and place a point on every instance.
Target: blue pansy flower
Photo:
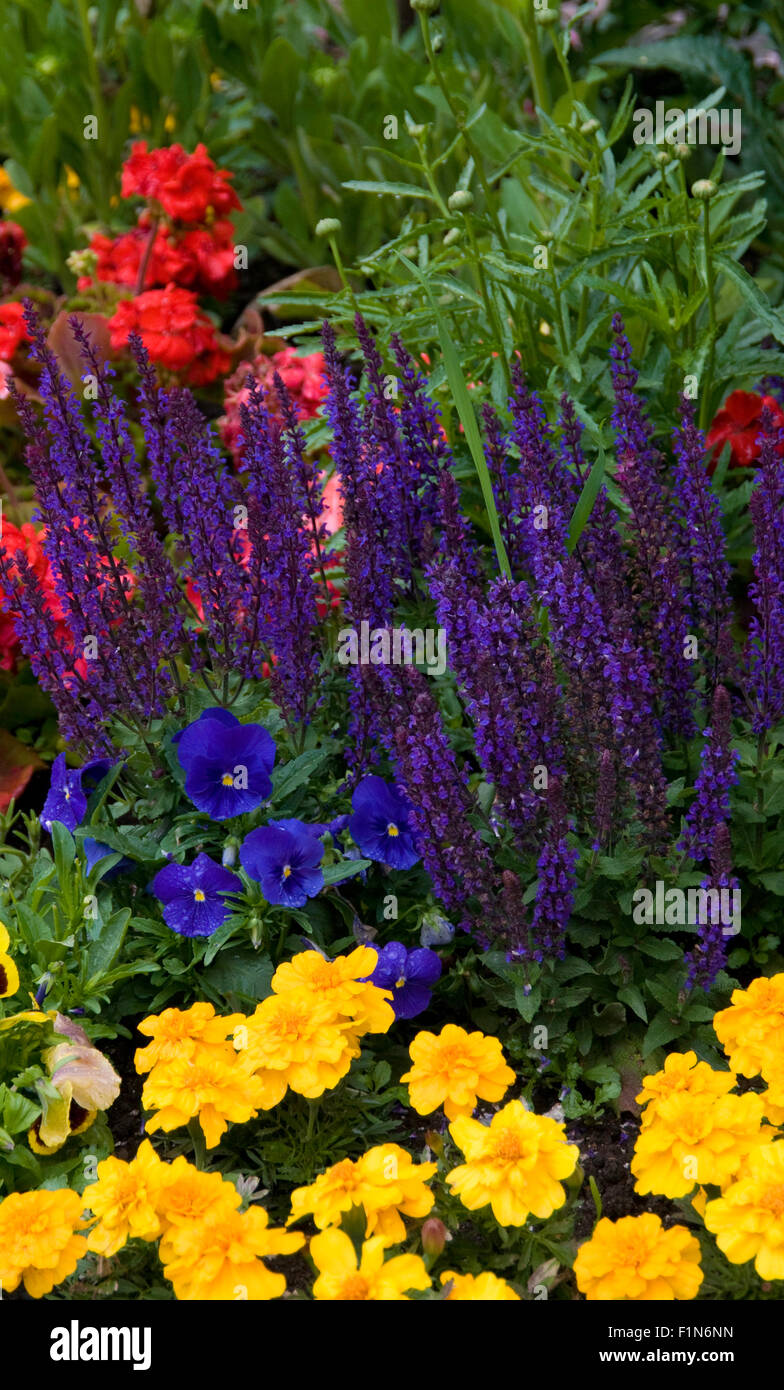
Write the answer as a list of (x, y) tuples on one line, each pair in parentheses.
[(194, 897), (66, 800), (95, 850), (409, 974), (285, 859), (379, 824), (227, 764)]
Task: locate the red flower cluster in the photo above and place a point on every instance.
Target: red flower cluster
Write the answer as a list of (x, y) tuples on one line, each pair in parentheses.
[(183, 236), (174, 330), (12, 333), (739, 424), (29, 540), (188, 187), (12, 243), (182, 245), (303, 378), (198, 259)]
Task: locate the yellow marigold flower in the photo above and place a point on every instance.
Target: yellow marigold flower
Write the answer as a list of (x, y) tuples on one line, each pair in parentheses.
[(9, 975), (177, 1033), (219, 1258), (213, 1087), (294, 1040), (515, 1163), (342, 1278), (454, 1068), (385, 1181), (343, 984), (11, 200), (636, 1259), (696, 1139), (682, 1073), (124, 1198), (479, 1288), (748, 1219), (38, 1244), (750, 1030), (185, 1194)]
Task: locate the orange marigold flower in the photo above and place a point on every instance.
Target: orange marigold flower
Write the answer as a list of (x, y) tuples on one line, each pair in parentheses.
[(477, 1288), (454, 1068), (748, 1219), (385, 1181), (38, 1244), (516, 1164), (178, 1033), (125, 1199), (695, 1139), (636, 1259), (370, 1279), (750, 1030), (219, 1258)]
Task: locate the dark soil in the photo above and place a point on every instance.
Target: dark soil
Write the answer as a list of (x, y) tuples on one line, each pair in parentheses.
[(125, 1116), (606, 1151)]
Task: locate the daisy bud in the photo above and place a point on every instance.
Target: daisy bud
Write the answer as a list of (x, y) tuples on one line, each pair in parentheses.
[(328, 226), (460, 200), (703, 190)]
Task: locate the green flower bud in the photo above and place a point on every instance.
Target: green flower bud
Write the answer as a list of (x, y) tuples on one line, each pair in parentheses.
[(425, 6), (682, 152), (328, 226), (588, 127), (454, 234), (416, 131), (546, 18), (662, 157), (703, 190), (460, 200)]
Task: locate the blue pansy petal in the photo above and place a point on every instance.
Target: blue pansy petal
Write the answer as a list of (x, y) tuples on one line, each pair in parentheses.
[(411, 999), (391, 965), (424, 966), (169, 882)]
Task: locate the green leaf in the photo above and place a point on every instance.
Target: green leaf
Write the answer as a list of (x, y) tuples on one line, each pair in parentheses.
[(64, 851), (586, 500), (290, 776), (18, 1112), (528, 1004), (465, 410), (631, 995), (661, 1030), (104, 951), (609, 1020), (752, 294), (663, 949), (245, 972), (395, 190), (347, 868)]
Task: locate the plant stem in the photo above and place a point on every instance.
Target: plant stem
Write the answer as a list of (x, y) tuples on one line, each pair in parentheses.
[(705, 399)]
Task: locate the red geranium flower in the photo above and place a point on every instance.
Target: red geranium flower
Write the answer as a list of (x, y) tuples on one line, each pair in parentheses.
[(174, 330), (12, 329), (188, 187), (200, 259), (739, 424)]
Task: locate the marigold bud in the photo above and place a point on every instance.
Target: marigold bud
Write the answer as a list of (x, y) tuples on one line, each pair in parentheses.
[(434, 1236)]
